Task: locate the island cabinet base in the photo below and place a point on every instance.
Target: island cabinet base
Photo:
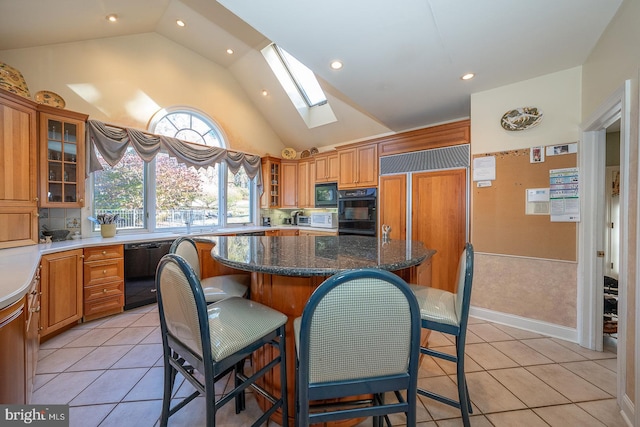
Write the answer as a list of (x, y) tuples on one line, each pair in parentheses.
[(289, 294)]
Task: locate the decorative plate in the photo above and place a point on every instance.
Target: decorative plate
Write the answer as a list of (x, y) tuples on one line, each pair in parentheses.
[(49, 98), (314, 151), (305, 154), (521, 118), (12, 80), (289, 153)]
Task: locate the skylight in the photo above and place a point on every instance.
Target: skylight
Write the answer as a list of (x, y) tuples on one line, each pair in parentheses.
[(303, 78), (300, 85)]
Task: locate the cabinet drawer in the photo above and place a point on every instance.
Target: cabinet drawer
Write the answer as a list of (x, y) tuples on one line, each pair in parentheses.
[(103, 272), (100, 253), (33, 297), (103, 290), (103, 306)]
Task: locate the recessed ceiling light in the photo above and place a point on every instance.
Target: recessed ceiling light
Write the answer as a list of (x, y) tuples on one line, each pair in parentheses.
[(336, 65), (230, 51), (180, 23), (468, 76), (265, 92), (112, 18)]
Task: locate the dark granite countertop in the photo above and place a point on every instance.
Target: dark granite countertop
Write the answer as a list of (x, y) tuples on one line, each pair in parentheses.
[(316, 255)]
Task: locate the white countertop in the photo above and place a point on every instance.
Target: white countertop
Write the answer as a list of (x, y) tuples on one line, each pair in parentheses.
[(18, 265)]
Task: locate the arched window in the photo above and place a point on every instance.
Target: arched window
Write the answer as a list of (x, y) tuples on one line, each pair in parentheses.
[(166, 194)]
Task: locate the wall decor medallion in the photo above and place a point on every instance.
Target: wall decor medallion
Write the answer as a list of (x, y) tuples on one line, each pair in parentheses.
[(289, 153), (521, 118), (47, 97), (13, 81)]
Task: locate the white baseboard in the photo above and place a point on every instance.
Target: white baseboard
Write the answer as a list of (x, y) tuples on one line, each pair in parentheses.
[(537, 326), (627, 411)]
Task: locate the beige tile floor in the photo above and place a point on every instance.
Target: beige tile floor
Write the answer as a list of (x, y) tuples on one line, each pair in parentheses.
[(109, 371)]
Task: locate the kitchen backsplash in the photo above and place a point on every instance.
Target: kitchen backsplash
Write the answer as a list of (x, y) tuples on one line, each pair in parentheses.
[(278, 215), (60, 219)]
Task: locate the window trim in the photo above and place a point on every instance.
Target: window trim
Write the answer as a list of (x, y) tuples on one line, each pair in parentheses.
[(150, 178)]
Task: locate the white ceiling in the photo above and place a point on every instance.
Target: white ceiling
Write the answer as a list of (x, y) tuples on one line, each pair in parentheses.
[(402, 59)]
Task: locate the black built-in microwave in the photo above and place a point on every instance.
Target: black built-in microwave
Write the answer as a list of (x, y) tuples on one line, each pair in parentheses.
[(326, 195)]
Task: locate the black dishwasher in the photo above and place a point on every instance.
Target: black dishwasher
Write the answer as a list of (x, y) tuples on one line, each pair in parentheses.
[(140, 262)]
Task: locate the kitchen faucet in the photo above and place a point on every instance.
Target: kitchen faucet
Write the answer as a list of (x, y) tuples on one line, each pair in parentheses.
[(296, 214)]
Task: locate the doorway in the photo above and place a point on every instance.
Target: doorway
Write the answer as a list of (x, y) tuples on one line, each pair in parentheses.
[(611, 228), (592, 236)]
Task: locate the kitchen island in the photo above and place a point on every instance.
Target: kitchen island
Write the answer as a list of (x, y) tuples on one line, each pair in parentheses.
[(286, 270)]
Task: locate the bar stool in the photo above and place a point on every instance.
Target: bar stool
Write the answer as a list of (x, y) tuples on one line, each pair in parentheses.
[(205, 343), (215, 288), (359, 334), (448, 313)]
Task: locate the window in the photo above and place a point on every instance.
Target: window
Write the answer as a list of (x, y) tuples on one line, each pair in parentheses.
[(300, 85), (170, 194), (303, 78), (120, 190)]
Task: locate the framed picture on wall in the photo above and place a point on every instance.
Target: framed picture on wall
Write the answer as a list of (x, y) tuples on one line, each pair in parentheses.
[(536, 154)]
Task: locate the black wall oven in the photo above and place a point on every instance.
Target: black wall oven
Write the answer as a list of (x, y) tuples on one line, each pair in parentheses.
[(357, 212)]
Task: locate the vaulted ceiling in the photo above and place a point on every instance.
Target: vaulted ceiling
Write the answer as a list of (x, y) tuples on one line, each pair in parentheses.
[(402, 59)]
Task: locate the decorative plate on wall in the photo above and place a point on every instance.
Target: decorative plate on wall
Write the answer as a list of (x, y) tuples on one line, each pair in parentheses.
[(521, 118), (304, 154), (289, 153), (49, 98), (12, 80)]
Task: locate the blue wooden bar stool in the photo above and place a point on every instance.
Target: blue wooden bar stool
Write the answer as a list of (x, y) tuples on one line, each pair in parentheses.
[(448, 313), (205, 343), (359, 334), (215, 288)]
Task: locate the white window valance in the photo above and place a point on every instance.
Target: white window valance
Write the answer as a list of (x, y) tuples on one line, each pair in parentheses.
[(112, 143)]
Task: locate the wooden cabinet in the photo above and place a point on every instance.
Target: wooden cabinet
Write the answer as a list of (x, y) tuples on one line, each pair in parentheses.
[(437, 217), (18, 171), (62, 157), (392, 205), (209, 267), (32, 333), (327, 167), (289, 184), (61, 283), (271, 176), (358, 166), (317, 233), (19, 328), (289, 232), (272, 233), (103, 290), (306, 183), (12, 353)]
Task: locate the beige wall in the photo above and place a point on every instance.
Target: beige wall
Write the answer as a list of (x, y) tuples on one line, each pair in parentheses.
[(616, 58), (557, 95), (125, 80), (544, 290)]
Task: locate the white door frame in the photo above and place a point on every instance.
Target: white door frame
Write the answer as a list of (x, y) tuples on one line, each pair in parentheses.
[(591, 230)]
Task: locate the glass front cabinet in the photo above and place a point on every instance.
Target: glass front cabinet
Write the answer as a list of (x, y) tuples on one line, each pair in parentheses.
[(271, 183), (62, 158)]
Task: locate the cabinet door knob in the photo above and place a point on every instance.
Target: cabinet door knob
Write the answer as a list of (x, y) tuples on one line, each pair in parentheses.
[(104, 291), (104, 252), (104, 271), (36, 199)]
